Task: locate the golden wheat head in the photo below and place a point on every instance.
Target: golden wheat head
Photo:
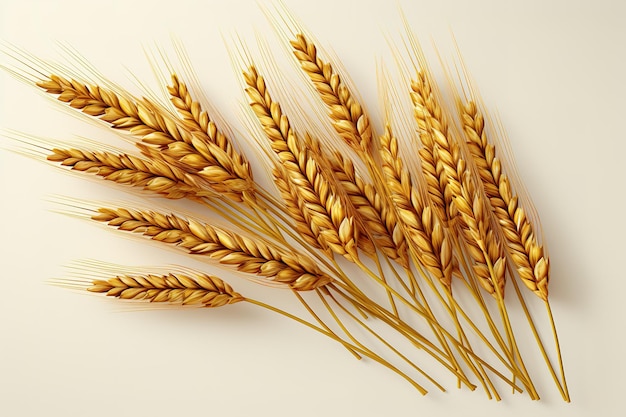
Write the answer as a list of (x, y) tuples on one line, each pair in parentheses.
[(527, 254), (201, 289)]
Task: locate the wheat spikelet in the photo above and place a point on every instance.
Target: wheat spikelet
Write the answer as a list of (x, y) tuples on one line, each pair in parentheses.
[(154, 175), (433, 248), (525, 251), (380, 221), (204, 290), (249, 255), (155, 127), (319, 204), (349, 119)]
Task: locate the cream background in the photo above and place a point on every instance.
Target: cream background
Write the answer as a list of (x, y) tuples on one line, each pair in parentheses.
[(554, 70)]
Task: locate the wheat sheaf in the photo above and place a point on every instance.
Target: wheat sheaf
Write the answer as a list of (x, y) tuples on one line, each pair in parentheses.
[(421, 235)]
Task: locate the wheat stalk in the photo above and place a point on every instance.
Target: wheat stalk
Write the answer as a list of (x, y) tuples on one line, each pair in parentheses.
[(318, 202), (331, 208), (251, 255), (451, 183), (351, 122), (427, 238), (526, 253), (201, 289)]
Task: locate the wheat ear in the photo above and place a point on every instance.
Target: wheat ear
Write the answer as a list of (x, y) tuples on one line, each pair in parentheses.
[(324, 211), (484, 245), (349, 119), (195, 118), (432, 247), (428, 115), (380, 221), (153, 175), (527, 254), (201, 289), (251, 255), (451, 187), (328, 170), (154, 126), (290, 197)]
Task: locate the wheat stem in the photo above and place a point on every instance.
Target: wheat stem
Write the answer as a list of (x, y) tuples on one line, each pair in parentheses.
[(407, 331), (426, 310), (321, 322), (509, 330), (357, 346), (383, 341), (565, 391), (539, 342), (417, 339), (348, 345)]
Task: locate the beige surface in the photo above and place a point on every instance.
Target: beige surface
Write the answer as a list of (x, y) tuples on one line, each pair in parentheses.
[(553, 69)]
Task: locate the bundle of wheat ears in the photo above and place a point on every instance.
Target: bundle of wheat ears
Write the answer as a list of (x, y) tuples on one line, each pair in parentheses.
[(426, 207)]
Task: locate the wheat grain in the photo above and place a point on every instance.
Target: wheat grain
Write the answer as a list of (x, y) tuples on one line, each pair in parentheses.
[(204, 290), (528, 256), (251, 255), (319, 204)]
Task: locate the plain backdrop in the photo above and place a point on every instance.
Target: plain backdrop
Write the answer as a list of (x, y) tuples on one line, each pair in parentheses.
[(554, 70)]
